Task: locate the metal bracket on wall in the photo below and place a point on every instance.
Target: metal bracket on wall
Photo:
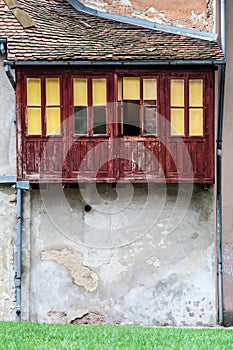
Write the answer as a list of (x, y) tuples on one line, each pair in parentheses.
[(23, 185), (2, 48)]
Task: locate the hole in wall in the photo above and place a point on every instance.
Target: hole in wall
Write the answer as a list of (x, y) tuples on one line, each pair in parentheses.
[(87, 208)]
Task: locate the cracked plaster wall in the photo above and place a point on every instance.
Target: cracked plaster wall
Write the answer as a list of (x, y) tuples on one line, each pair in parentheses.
[(104, 266), (189, 14), (7, 125), (7, 198), (7, 252)]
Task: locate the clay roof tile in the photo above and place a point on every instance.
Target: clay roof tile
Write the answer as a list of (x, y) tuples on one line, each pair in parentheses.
[(59, 32)]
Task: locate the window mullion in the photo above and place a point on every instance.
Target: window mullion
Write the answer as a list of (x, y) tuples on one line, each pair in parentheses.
[(43, 107), (141, 107), (186, 106), (90, 114)]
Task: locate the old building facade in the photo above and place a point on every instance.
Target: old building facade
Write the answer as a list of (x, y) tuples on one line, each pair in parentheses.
[(118, 225)]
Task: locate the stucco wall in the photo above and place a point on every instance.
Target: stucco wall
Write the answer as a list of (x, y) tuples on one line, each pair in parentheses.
[(227, 171), (7, 251), (7, 126), (189, 14), (141, 256), (7, 198)]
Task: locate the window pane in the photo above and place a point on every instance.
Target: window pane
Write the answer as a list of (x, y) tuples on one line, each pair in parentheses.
[(177, 93), (52, 120), (177, 121), (99, 120), (119, 86), (80, 92), (33, 92), (52, 86), (131, 88), (131, 110), (149, 121), (195, 121), (149, 89), (34, 121), (99, 92), (196, 93), (80, 120)]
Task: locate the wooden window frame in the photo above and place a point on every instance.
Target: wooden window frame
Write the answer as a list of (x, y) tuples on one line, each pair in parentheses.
[(90, 111), (187, 77), (43, 105), (141, 75)]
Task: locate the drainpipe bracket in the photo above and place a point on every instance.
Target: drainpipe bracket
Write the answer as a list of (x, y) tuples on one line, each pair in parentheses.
[(23, 185), (2, 48), (18, 282)]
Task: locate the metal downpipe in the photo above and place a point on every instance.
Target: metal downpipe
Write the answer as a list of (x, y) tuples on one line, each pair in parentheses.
[(19, 252), (19, 218), (9, 75), (219, 167)]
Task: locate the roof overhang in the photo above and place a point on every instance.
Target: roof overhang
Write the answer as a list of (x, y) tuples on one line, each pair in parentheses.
[(116, 63)]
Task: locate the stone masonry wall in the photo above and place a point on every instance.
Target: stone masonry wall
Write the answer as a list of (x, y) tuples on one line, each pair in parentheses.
[(189, 14)]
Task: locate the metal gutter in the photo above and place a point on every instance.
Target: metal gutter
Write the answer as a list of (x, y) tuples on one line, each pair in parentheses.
[(219, 167), (114, 63), (9, 74), (192, 33)]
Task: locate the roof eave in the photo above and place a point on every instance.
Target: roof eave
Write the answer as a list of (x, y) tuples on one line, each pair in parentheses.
[(116, 63)]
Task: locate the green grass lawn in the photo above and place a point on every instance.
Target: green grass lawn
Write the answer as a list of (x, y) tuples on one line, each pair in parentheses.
[(43, 336)]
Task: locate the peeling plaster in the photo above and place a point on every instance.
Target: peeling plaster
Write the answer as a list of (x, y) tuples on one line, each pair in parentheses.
[(90, 318), (176, 12), (81, 275)]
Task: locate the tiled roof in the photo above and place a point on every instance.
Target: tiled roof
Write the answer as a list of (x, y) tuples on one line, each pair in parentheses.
[(63, 33)]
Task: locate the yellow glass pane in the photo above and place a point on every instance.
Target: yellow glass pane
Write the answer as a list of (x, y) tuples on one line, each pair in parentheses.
[(52, 120), (149, 89), (99, 92), (34, 121), (131, 88), (33, 92), (196, 93), (80, 92), (52, 86), (195, 121), (177, 121), (119, 90), (177, 92)]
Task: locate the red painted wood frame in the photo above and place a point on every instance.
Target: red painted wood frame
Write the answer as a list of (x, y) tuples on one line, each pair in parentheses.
[(112, 157)]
